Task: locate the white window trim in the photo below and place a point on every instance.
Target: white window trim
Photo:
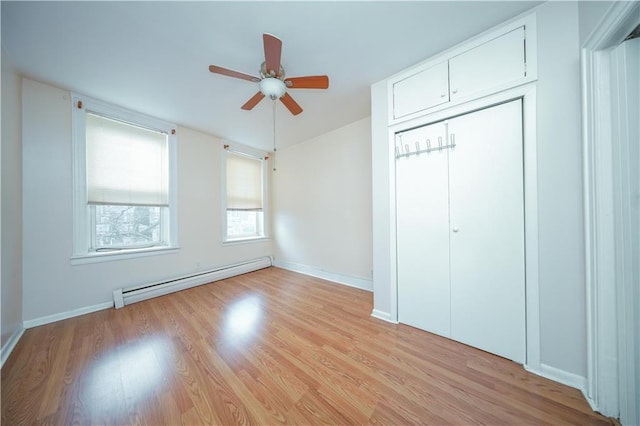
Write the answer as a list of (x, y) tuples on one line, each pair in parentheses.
[(227, 147), (81, 221)]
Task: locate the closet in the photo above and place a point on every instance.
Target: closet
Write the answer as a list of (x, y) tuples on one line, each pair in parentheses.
[(460, 229)]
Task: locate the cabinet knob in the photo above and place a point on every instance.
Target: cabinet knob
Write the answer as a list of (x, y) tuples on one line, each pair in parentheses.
[(454, 91), (455, 229), (443, 95)]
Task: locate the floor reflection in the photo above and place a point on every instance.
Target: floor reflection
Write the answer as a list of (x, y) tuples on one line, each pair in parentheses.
[(129, 373), (243, 318)]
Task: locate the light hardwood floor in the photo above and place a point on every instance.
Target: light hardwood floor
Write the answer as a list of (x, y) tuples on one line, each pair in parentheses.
[(267, 347)]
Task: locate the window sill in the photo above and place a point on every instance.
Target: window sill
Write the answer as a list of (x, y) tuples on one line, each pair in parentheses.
[(110, 256), (244, 240)]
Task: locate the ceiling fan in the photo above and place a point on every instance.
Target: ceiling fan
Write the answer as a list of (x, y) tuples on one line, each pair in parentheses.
[(272, 78)]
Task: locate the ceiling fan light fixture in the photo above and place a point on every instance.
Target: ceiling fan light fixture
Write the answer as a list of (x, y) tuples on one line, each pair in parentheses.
[(272, 87)]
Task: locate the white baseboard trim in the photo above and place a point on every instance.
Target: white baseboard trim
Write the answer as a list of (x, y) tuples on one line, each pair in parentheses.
[(384, 316), (360, 283), (69, 314), (560, 376), (9, 345)]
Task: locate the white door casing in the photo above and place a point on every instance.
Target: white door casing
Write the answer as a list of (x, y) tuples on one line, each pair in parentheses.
[(610, 382), (625, 90)]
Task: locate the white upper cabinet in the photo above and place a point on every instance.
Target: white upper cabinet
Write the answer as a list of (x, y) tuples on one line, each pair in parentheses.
[(421, 91), (495, 63)]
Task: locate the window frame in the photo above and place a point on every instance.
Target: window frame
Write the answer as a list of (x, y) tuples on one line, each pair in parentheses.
[(237, 149), (82, 220)]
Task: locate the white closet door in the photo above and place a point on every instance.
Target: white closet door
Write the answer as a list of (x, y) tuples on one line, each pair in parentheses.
[(422, 216), (487, 230)]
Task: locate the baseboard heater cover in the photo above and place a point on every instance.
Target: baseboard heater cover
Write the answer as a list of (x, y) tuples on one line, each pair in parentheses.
[(123, 297)]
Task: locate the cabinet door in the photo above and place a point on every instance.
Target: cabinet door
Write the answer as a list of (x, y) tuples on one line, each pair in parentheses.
[(491, 64), (421, 91), (422, 223), (487, 230)]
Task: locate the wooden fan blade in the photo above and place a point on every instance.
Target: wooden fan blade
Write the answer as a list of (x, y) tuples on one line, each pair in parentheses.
[(272, 53), (310, 82), (291, 105), (253, 101), (231, 73)]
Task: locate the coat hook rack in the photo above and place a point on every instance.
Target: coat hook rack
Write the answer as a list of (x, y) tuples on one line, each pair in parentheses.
[(403, 150)]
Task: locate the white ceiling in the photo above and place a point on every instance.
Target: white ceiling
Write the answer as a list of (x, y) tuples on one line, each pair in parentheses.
[(153, 57)]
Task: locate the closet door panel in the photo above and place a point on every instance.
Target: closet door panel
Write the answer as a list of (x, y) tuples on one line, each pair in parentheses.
[(487, 230), (422, 223)]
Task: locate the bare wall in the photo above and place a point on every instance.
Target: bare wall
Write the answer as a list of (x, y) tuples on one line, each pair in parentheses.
[(11, 203), (322, 203), (560, 212), (591, 12)]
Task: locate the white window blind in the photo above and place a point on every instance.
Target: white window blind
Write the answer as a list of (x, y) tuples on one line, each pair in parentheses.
[(244, 182), (126, 164)]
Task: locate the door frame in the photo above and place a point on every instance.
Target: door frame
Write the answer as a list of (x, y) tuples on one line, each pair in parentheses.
[(605, 364)]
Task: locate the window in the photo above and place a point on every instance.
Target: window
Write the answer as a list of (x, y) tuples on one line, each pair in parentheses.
[(124, 173), (244, 195)]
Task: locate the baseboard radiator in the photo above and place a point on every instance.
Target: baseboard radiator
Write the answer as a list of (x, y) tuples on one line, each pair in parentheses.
[(123, 297)]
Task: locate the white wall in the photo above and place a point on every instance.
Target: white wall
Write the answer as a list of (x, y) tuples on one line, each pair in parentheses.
[(322, 205), (560, 212), (561, 241), (384, 268), (590, 13), (11, 215), (51, 284)]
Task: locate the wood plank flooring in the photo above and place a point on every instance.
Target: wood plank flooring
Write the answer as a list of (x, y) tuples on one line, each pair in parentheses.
[(267, 347)]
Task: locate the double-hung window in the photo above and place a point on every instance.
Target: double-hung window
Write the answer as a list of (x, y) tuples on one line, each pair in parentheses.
[(124, 173), (244, 192)]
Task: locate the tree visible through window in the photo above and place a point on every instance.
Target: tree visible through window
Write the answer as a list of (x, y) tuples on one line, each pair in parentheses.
[(118, 226)]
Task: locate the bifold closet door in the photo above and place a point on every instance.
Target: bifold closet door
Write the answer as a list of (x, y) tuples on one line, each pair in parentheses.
[(422, 224), (487, 230)]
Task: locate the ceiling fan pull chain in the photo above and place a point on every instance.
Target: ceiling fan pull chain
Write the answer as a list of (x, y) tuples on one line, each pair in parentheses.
[(274, 134)]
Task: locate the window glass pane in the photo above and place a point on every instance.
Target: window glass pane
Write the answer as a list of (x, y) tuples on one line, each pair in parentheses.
[(126, 164), (127, 226), (241, 223)]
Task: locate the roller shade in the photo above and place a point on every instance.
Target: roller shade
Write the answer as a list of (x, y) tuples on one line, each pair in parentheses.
[(126, 164), (244, 182)]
